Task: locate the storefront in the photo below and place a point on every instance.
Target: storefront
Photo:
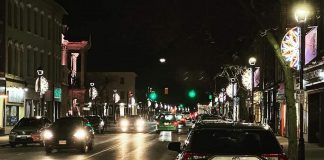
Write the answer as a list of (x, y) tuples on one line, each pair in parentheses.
[(314, 110), (14, 107)]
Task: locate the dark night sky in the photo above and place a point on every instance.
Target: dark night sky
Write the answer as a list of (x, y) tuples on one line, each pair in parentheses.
[(196, 37)]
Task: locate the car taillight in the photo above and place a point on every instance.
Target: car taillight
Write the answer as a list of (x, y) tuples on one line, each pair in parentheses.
[(189, 155), (175, 123), (274, 156), (183, 119)]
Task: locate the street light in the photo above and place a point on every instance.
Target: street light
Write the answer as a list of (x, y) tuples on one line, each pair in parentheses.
[(252, 62), (301, 15)]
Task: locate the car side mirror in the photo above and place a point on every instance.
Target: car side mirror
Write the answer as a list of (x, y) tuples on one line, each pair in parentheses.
[(174, 146)]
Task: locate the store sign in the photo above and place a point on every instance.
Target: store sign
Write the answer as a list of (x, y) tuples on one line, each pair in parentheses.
[(58, 94), (15, 95), (312, 75)]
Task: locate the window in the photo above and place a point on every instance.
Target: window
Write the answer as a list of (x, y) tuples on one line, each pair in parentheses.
[(29, 19), (42, 25), (21, 19), (21, 63), (9, 13), (49, 28), (35, 22), (30, 62), (16, 16), (122, 80), (122, 95), (10, 58), (16, 59)]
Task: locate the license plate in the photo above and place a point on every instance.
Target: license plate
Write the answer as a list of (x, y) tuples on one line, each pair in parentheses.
[(166, 123), (62, 141)]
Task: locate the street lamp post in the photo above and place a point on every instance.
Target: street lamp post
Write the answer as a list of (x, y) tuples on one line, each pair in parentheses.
[(301, 18), (252, 62), (92, 97), (40, 73)]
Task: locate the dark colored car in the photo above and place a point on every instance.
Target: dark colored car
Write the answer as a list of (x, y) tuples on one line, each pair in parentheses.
[(229, 141), (132, 123), (28, 130), (69, 132), (166, 122), (96, 122)]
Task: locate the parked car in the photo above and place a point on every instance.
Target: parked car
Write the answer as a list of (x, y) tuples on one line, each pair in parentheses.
[(229, 141), (28, 130), (132, 123), (96, 122), (69, 132), (167, 122)]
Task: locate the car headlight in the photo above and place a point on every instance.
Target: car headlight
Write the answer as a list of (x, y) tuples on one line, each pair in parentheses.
[(47, 134), (140, 123), (124, 123), (80, 134)]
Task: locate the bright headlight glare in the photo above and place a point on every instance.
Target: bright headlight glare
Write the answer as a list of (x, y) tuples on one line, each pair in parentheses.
[(47, 134), (140, 122), (80, 134), (124, 122)]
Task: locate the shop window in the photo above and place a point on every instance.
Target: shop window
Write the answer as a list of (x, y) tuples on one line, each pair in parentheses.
[(122, 95), (12, 115), (122, 80)]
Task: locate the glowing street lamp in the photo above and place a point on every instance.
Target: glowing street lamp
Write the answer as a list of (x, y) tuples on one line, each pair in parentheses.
[(162, 60), (252, 62), (301, 15)]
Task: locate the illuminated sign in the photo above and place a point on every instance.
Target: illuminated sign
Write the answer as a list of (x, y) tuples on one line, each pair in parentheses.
[(290, 47), (58, 94)]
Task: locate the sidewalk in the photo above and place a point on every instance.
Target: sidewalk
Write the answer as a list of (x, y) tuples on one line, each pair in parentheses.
[(312, 150)]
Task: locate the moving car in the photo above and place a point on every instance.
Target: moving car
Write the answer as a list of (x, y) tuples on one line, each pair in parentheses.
[(132, 123), (28, 130), (96, 122), (229, 141), (69, 132), (181, 120), (166, 122)]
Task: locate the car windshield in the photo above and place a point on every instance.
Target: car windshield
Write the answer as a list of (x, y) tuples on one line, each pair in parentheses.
[(244, 142), (167, 117), (30, 122), (67, 122)]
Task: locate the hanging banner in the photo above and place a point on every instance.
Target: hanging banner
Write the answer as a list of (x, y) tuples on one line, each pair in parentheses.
[(311, 45)]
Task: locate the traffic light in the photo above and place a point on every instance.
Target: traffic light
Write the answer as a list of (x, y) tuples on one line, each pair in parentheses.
[(210, 96), (192, 93), (152, 96)]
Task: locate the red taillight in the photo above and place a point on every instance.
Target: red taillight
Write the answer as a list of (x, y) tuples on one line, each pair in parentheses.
[(274, 156), (175, 123), (189, 155), (183, 119)]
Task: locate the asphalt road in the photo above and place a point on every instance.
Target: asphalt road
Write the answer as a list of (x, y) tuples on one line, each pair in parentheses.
[(111, 145)]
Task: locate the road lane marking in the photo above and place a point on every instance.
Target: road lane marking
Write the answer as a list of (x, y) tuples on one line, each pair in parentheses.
[(107, 149)]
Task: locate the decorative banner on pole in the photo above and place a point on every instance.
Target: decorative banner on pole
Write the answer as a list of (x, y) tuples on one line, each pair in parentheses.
[(311, 45), (43, 85), (290, 47)]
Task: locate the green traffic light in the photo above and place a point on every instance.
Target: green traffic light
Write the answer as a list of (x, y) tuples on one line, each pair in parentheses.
[(153, 96), (192, 93)]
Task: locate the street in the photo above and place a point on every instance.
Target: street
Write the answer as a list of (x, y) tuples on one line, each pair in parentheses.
[(111, 145), (123, 146)]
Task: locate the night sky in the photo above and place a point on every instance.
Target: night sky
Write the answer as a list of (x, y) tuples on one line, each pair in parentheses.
[(195, 36)]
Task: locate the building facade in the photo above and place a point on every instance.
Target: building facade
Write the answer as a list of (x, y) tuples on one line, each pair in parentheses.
[(30, 37)]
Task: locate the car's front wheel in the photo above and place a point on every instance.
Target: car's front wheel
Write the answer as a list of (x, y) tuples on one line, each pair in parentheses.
[(48, 150), (12, 144), (84, 148)]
